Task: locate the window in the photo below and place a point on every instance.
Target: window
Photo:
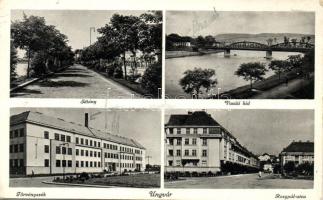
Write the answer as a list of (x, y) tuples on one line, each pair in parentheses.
[(204, 142), (194, 141), (171, 141), (187, 153), (178, 130), (68, 138), (204, 130), (86, 142), (58, 163), (63, 138), (82, 163), (16, 149), (94, 163), (204, 153), (99, 164), (91, 142), (21, 147), (77, 152), (99, 144), (64, 150), (58, 150), (69, 163), (94, 143), (91, 163), (99, 154), (11, 148), (77, 140), (178, 152), (82, 152), (94, 153), (46, 149), (16, 133), (46, 163), (21, 132), (69, 151), (187, 141), (46, 135), (170, 152), (56, 136), (77, 163), (91, 153), (194, 152), (187, 130), (171, 131), (105, 155), (87, 164), (86, 153), (63, 163), (82, 141), (179, 141), (195, 130)]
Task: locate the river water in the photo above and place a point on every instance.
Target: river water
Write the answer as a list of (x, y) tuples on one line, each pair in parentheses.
[(224, 69)]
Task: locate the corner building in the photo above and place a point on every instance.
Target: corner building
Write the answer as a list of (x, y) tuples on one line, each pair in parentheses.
[(42, 144), (195, 142)]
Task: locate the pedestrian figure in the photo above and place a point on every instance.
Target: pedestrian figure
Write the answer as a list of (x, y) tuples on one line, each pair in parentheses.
[(32, 173), (259, 174)]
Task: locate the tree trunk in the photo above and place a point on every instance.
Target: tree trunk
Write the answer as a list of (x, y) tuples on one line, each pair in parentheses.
[(135, 63), (28, 65), (250, 84), (124, 65)]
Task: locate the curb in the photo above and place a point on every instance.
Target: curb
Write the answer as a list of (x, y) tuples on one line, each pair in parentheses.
[(35, 80)]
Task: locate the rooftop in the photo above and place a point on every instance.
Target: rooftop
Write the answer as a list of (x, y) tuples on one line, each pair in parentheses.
[(197, 118), (58, 123), (300, 147)]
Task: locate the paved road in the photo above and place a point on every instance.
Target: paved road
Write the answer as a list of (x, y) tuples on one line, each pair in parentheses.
[(32, 182), (76, 82), (250, 181)]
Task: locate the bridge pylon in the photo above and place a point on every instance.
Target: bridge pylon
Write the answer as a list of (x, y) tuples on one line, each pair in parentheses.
[(269, 55), (227, 53)]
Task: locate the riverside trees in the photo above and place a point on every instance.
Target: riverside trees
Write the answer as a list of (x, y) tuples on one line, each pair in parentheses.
[(46, 48)]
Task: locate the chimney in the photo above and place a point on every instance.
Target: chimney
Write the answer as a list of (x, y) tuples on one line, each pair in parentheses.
[(86, 120)]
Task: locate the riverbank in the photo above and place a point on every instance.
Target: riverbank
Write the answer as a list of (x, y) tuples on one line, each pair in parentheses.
[(287, 86), (180, 54)]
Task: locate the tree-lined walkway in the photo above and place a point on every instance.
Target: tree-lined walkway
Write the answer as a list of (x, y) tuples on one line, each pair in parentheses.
[(75, 82)]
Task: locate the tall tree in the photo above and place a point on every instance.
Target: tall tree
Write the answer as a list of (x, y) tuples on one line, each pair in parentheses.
[(279, 66), (252, 72), (13, 62), (194, 80)]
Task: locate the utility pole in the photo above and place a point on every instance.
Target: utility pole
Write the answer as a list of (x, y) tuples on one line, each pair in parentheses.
[(91, 28), (148, 157)]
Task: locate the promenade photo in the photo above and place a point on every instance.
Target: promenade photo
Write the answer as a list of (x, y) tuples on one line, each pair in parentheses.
[(239, 149), (239, 55), (56, 147), (86, 54)]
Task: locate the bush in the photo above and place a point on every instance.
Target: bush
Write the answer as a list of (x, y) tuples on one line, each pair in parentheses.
[(152, 78), (118, 73), (85, 176), (289, 167)]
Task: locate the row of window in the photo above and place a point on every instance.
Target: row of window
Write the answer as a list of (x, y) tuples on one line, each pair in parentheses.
[(82, 152), (187, 152), (16, 148), (188, 130), (61, 150), (179, 163), (17, 163), (17, 133), (87, 142), (187, 141), (58, 137)]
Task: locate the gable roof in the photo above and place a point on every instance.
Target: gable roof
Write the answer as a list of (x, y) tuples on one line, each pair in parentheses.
[(300, 147), (58, 123), (198, 118)]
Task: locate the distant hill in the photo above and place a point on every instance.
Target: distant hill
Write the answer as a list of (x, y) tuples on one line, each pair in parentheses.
[(261, 37)]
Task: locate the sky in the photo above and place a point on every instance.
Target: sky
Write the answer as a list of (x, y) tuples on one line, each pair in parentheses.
[(263, 131), (75, 24), (215, 22), (133, 124)]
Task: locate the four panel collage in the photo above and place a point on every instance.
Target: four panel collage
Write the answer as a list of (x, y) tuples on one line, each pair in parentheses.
[(153, 55)]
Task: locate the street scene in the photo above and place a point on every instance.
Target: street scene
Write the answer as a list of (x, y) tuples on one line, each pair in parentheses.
[(221, 149), (239, 55), (55, 147), (92, 54)]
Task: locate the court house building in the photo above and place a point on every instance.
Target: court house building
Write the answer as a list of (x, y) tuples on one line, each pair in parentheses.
[(42, 144)]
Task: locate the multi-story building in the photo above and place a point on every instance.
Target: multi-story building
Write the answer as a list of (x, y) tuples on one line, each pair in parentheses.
[(41, 144), (195, 142), (298, 152)]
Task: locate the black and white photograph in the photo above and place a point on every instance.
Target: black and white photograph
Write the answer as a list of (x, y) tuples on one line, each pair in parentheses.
[(56, 147), (239, 149), (239, 55), (86, 54)]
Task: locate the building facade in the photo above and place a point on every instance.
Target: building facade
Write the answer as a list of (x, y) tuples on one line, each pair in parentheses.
[(298, 152), (41, 144), (195, 142)]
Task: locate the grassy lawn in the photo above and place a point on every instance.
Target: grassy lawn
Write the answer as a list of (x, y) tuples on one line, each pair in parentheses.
[(137, 181)]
